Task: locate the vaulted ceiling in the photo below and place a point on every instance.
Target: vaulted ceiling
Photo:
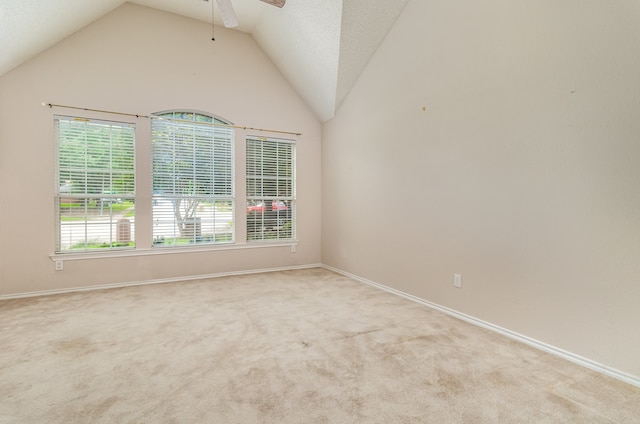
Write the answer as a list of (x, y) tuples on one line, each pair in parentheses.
[(321, 47)]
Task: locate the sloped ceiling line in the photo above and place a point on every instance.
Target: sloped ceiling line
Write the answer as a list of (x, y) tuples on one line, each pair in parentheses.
[(320, 47)]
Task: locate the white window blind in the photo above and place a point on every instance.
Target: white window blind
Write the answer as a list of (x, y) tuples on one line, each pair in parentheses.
[(192, 180), (95, 196), (270, 189)]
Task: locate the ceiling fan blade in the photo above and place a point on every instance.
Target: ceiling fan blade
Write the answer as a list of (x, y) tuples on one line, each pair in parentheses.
[(228, 14), (277, 3)]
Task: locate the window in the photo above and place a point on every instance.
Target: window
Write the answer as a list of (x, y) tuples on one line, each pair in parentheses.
[(192, 180), (192, 161), (270, 189), (95, 196)]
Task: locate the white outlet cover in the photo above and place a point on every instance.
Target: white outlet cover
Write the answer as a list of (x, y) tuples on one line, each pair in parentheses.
[(457, 280)]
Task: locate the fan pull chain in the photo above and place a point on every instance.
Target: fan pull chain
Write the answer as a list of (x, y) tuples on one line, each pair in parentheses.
[(213, 25)]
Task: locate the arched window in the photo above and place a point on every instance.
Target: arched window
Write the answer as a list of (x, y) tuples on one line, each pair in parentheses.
[(192, 167)]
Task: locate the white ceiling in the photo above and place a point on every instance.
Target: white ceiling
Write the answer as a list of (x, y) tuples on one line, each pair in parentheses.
[(321, 47)]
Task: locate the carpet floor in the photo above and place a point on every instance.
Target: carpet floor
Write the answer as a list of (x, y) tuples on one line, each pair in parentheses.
[(305, 346)]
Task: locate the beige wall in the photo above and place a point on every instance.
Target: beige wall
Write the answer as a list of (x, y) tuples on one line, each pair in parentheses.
[(141, 61), (499, 140), (520, 173)]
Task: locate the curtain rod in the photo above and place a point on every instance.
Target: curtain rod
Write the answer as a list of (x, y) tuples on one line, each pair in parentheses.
[(51, 105)]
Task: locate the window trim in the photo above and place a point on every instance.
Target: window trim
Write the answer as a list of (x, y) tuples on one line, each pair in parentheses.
[(292, 199), (59, 195), (143, 181), (125, 253), (157, 241)]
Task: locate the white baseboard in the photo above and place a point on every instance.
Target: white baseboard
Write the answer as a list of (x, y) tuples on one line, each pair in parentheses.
[(577, 359), (159, 281)]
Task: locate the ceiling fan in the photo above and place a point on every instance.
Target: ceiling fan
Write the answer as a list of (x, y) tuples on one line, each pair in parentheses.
[(229, 15)]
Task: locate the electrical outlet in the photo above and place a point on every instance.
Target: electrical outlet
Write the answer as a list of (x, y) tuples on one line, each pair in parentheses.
[(457, 280), (293, 248), (59, 265)]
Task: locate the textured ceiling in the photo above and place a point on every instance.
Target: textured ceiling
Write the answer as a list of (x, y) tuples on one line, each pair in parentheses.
[(321, 47)]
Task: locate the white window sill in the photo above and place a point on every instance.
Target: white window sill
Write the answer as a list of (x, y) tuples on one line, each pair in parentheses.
[(125, 253)]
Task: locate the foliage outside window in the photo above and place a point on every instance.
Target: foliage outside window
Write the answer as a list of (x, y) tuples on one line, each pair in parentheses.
[(270, 189), (192, 180), (95, 196)]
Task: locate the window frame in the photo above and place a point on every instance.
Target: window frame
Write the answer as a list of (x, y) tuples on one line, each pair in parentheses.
[(188, 230), (270, 217), (121, 231), (143, 218)]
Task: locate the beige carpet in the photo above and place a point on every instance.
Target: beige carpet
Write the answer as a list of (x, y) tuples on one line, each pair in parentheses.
[(306, 346)]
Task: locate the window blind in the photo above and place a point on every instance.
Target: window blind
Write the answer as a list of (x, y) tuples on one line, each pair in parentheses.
[(193, 192), (270, 184), (95, 196)]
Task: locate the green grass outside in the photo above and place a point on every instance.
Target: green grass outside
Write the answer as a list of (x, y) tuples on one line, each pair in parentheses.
[(100, 245), (72, 218), (183, 241)]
